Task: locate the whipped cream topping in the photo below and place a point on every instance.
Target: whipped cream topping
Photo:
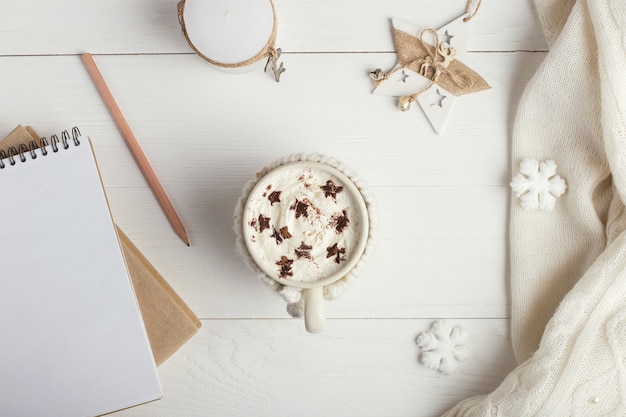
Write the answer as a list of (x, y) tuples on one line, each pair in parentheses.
[(302, 223)]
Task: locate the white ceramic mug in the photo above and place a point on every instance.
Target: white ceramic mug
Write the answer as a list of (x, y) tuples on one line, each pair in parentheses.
[(306, 225)]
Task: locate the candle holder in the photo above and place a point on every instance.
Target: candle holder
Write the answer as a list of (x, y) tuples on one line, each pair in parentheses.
[(234, 36)]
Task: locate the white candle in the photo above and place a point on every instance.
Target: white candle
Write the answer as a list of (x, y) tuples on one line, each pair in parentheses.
[(230, 34)]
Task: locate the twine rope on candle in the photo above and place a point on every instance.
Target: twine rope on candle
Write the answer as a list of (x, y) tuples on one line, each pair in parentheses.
[(267, 51)]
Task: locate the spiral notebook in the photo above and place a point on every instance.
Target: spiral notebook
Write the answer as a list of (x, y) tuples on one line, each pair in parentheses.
[(73, 340), (169, 322)]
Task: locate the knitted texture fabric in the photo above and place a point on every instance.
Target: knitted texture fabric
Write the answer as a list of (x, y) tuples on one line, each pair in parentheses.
[(292, 295), (568, 265), (558, 120)]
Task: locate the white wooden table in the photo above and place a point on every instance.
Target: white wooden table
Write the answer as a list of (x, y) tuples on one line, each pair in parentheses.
[(442, 199)]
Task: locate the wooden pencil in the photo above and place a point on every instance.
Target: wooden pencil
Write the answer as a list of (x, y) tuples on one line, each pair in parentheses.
[(135, 149)]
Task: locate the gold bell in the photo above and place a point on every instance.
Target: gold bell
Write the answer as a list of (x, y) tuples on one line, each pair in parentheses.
[(404, 103), (377, 74)]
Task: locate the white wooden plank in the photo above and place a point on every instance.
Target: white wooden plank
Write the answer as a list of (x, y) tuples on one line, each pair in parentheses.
[(357, 368), (442, 199), (182, 110), (350, 26), (37, 27)]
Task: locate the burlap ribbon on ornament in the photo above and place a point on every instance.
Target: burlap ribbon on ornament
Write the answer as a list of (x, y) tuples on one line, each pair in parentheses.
[(437, 63)]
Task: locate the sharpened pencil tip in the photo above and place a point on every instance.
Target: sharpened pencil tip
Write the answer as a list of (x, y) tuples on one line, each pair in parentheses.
[(184, 238)]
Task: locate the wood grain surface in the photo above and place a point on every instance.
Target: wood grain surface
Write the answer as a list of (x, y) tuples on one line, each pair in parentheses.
[(442, 200)]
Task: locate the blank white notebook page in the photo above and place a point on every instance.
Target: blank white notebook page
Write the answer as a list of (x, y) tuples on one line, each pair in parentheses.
[(73, 341)]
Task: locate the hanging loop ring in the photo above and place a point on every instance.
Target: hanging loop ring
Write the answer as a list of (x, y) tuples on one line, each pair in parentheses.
[(471, 11)]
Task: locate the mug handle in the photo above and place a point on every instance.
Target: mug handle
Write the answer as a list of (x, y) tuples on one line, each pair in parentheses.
[(314, 320)]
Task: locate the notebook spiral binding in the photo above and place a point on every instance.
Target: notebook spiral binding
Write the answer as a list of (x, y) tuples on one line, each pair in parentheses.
[(23, 150)]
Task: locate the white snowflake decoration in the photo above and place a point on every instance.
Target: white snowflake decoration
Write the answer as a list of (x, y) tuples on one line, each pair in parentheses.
[(443, 346), (537, 184)]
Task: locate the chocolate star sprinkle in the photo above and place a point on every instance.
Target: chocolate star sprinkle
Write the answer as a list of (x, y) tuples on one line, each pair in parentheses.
[(264, 223), (301, 208), (331, 189), (285, 267), (304, 251), (274, 197), (338, 253), (281, 234), (340, 221), (284, 232), (277, 236)]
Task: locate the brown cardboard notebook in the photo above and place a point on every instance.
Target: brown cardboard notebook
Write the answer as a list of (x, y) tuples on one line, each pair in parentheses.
[(168, 320)]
